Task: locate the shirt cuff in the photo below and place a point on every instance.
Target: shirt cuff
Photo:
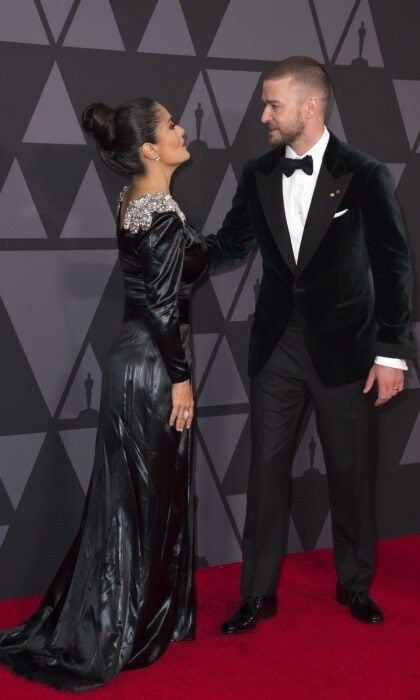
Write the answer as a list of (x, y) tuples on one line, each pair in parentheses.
[(394, 362)]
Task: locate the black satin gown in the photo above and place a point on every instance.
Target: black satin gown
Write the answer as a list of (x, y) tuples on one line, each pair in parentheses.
[(125, 588)]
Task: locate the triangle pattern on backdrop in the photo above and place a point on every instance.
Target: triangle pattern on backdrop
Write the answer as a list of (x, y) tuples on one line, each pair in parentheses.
[(203, 25), (94, 27), (210, 135), (245, 305), (294, 543), (213, 524), (325, 536), (167, 31), (233, 90), (412, 377), (413, 374), (225, 285), (266, 33), (7, 511), (237, 504), (84, 220), (44, 524), (21, 400), (309, 506), (54, 119), (3, 532), (18, 454), (396, 170), (19, 216), (310, 445), (221, 435), (236, 478), (411, 452), (54, 182), (408, 94), (415, 329), (56, 12), (80, 447), (203, 344), (77, 399), (222, 202), (369, 45), (335, 124), (333, 18), (21, 23), (223, 385), (61, 290)]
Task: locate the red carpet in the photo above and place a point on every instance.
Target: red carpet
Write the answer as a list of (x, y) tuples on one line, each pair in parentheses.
[(312, 649)]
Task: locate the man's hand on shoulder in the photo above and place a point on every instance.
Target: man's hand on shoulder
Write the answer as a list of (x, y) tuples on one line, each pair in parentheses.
[(390, 382)]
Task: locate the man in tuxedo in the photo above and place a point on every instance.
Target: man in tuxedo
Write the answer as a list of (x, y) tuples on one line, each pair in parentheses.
[(319, 211)]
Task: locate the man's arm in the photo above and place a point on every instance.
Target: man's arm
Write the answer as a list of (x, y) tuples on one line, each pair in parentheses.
[(235, 239), (390, 264), (392, 277)]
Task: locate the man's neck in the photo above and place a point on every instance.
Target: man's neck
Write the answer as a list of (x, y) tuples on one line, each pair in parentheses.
[(305, 142)]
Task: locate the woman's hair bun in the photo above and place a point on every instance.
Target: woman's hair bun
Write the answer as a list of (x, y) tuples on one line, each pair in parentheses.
[(99, 120), (120, 132)]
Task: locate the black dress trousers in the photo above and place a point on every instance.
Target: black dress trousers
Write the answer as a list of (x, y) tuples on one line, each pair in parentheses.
[(347, 423)]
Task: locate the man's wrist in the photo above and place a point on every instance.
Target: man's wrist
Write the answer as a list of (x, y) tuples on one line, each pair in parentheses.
[(394, 362)]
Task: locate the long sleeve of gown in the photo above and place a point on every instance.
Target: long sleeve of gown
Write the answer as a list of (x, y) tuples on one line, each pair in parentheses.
[(161, 258)]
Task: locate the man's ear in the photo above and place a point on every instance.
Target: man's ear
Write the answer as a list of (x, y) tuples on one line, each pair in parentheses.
[(312, 107)]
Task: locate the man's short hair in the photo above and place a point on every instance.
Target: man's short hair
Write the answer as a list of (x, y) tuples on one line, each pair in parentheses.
[(304, 70)]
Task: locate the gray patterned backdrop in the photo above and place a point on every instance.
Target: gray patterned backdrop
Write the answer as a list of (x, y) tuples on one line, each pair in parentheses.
[(60, 288)]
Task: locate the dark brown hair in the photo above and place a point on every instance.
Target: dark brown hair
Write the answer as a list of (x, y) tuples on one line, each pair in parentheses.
[(120, 132), (304, 70)]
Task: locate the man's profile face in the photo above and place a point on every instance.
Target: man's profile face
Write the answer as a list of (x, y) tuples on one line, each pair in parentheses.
[(282, 113)]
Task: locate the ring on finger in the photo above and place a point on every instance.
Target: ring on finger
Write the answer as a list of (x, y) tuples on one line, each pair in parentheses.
[(186, 414)]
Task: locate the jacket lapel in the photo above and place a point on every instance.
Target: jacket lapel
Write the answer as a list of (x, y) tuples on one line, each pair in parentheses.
[(270, 191), (328, 193), (332, 183)]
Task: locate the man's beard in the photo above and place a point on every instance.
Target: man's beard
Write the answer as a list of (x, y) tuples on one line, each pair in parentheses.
[(287, 136)]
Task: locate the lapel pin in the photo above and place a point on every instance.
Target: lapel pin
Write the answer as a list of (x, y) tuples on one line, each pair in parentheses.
[(332, 194), (337, 191)]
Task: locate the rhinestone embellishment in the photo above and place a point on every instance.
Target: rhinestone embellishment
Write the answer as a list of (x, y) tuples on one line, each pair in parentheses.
[(139, 212)]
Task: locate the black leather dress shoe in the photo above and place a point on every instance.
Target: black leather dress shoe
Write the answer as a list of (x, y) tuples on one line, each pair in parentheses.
[(361, 605), (250, 612)]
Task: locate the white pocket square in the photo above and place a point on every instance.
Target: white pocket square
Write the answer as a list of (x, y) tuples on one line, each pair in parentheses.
[(340, 213)]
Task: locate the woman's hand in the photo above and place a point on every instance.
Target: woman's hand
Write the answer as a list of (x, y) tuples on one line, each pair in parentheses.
[(182, 405)]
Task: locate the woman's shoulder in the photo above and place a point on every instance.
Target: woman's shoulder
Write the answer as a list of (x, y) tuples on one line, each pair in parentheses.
[(140, 213)]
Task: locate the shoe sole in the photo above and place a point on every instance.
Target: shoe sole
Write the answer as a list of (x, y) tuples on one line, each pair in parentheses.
[(263, 618)]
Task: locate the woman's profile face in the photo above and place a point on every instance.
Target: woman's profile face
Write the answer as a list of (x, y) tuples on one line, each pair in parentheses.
[(170, 139)]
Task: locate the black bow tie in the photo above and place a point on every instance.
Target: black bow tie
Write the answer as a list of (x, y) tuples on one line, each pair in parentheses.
[(289, 165)]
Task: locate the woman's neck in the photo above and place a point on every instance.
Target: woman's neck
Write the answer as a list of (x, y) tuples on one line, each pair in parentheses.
[(151, 184)]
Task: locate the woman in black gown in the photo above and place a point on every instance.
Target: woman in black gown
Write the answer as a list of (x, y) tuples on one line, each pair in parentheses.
[(125, 588)]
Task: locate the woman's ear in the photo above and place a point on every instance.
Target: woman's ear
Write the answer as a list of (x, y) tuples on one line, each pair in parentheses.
[(149, 151)]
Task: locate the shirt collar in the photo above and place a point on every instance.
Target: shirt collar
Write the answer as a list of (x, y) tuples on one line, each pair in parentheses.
[(317, 151)]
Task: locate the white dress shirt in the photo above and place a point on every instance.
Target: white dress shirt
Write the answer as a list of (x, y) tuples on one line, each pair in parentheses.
[(298, 190)]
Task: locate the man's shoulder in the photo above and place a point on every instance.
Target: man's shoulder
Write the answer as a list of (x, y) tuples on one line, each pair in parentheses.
[(264, 162), (358, 160)]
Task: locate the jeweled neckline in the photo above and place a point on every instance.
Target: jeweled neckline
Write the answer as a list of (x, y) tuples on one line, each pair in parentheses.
[(140, 215), (149, 194)]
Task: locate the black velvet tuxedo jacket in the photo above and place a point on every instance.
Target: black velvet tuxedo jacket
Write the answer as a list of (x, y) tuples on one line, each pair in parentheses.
[(346, 326)]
